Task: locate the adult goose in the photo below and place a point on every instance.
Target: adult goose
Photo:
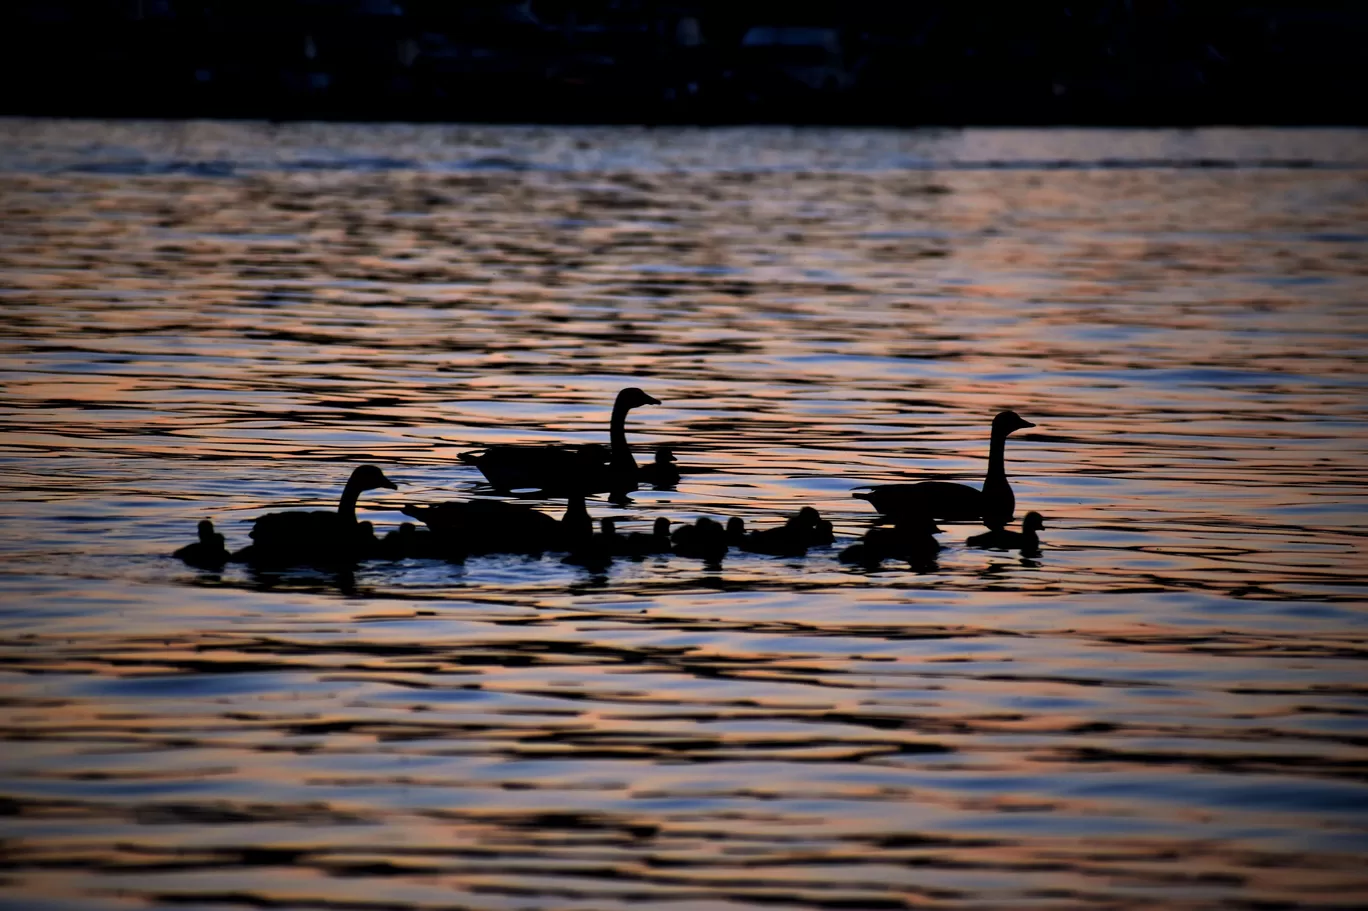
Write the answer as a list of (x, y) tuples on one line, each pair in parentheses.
[(911, 539), (1025, 540), (948, 501), (317, 537), (554, 468), (496, 526)]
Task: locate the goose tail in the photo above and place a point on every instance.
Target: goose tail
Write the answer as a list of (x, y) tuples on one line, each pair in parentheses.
[(473, 457), (866, 494)]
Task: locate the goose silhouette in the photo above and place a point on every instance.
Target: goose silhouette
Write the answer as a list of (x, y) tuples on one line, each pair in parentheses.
[(499, 527), (911, 539), (799, 532), (206, 553), (317, 537), (557, 469), (947, 501), (1025, 540)]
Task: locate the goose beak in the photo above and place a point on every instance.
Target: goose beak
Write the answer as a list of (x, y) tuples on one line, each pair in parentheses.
[(1025, 423), (386, 482), (652, 400)]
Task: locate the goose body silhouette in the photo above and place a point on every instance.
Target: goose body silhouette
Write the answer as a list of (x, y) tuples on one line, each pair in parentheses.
[(911, 539), (317, 537), (947, 501), (558, 469), (1025, 540), (208, 552), (495, 526)]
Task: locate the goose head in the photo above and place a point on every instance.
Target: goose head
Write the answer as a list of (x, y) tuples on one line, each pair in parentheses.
[(736, 528), (368, 477), (1032, 522), (662, 527), (1008, 421), (608, 527), (632, 397), (663, 455)]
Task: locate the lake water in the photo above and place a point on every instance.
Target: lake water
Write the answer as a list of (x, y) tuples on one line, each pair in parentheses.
[(1167, 708)]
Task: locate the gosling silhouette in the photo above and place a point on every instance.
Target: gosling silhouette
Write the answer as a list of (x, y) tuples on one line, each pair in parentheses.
[(636, 543), (663, 472), (799, 532), (409, 541), (317, 537), (994, 505), (556, 469), (595, 551), (208, 552), (911, 539), (705, 539), (1026, 540)]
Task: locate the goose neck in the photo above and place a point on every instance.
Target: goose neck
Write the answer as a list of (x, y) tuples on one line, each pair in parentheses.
[(997, 456), (346, 507), (617, 437)]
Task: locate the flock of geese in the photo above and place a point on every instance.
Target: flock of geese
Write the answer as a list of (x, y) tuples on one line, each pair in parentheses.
[(905, 529)]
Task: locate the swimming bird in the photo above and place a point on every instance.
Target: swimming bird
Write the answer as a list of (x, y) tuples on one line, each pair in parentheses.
[(208, 552), (410, 541), (640, 544), (911, 539), (555, 468), (490, 526), (948, 501), (317, 537), (596, 551), (705, 539), (1025, 540), (662, 472), (800, 531)]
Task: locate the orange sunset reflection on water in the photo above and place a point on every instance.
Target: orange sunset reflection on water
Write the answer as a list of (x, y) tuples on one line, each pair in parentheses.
[(1165, 708)]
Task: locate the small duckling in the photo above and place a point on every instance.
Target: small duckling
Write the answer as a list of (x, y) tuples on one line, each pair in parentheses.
[(787, 540), (911, 539), (1025, 540), (819, 531), (705, 538), (206, 553), (638, 544), (595, 551), (410, 541), (805, 529), (662, 472)]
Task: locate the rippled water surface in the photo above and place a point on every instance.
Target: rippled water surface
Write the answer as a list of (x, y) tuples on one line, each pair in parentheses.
[(1167, 708)]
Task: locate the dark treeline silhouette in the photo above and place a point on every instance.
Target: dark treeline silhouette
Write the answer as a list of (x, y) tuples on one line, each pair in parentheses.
[(651, 61)]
